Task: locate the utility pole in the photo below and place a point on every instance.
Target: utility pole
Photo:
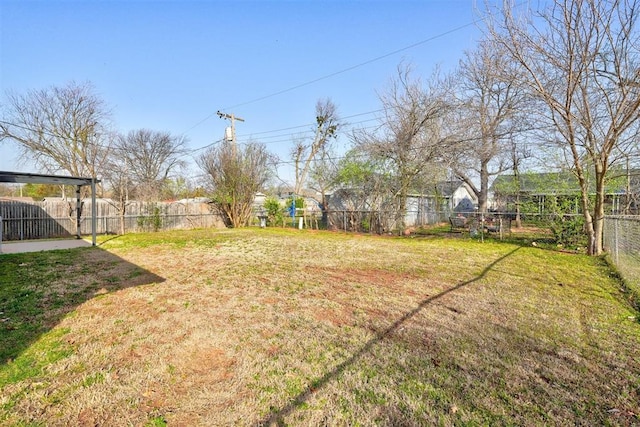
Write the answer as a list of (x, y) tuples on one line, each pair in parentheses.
[(232, 137)]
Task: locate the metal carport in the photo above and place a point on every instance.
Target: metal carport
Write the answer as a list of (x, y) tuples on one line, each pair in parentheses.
[(78, 182)]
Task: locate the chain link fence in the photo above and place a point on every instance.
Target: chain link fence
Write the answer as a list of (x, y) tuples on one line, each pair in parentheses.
[(622, 241), (381, 222)]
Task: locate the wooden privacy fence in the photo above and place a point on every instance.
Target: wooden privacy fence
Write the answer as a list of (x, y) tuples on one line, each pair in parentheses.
[(50, 219)]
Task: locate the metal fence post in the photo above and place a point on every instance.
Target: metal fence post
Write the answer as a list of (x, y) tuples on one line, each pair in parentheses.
[(615, 240), (344, 220)]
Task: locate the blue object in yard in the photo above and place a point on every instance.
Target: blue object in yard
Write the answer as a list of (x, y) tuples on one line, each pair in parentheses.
[(292, 212)]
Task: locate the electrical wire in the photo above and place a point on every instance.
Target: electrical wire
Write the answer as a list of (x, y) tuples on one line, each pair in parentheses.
[(353, 67), (344, 70), (190, 152), (289, 136)]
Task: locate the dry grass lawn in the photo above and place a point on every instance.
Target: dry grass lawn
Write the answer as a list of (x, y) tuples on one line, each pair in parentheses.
[(281, 327)]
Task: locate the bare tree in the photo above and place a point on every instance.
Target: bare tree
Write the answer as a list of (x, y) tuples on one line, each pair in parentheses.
[(519, 153), (409, 138), (7, 190), (365, 184), (580, 58), (486, 118), (323, 177), (150, 158), (60, 128), (181, 187), (120, 185), (304, 152), (235, 175)]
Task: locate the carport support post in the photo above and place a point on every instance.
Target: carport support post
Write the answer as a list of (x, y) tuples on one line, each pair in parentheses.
[(94, 214), (78, 212)]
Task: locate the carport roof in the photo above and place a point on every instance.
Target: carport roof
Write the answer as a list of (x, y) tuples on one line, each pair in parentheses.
[(36, 178)]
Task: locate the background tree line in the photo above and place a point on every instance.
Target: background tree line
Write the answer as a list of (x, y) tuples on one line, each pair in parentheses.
[(553, 89)]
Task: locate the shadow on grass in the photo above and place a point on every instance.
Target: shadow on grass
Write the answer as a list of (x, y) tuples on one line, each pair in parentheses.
[(38, 289), (110, 238), (277, 416)]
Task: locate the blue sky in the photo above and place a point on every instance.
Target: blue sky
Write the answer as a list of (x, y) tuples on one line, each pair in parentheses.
[(170, 65)]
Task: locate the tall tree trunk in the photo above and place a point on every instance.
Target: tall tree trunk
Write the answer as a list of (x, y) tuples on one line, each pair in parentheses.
[(598, 211), (484, 187), (122, 226), (325, 211), (401, 209), (588, 218)]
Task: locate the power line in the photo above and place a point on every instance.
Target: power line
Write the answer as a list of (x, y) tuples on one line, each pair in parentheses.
[(312, 124), (190, 152), (353, 67), (288, 136), (279, 130), (246, 137), (344, 70)]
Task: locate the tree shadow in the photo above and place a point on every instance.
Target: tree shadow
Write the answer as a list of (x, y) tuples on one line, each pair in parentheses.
[(27, 221), (277, 416), (38, 289)]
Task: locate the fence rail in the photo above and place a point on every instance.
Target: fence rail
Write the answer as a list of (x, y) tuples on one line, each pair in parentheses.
[(50, 219)]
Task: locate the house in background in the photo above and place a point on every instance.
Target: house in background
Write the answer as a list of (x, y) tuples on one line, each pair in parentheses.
[(438, 201), (540, 193), (433, 204)]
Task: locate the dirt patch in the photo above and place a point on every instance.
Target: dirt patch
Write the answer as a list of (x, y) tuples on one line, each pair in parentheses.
[(343, 279), (337, 317), (200, 361)]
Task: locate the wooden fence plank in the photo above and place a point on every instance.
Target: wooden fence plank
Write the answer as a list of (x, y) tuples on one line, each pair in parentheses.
[(22, 220)]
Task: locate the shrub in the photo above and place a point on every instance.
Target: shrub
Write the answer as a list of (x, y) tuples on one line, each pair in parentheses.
[(569, 231), (153, 221), (275, 211)]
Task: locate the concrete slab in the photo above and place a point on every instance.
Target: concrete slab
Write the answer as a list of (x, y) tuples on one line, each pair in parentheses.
[(41, 245)]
